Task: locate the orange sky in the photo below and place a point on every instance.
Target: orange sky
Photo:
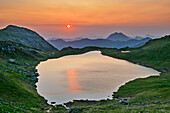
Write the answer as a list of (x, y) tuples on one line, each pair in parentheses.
[(88, 17)]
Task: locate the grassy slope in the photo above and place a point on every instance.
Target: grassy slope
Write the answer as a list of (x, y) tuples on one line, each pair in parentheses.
[(154, 54), (151, 90), (150, 94), (17, 85), (17, 81)]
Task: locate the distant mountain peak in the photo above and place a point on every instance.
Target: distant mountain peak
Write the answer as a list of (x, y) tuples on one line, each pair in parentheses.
[(138, 38), (118, 37), (152, 36), (118, 33)]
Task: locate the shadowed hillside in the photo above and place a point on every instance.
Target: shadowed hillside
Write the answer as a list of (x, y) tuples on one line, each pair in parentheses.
[(25, 37), (18, 77)]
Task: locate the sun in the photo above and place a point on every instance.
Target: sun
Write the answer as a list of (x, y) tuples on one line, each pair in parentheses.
[(68, 26)]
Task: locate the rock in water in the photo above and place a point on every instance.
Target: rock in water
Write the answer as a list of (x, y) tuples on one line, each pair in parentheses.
[(53, 102)]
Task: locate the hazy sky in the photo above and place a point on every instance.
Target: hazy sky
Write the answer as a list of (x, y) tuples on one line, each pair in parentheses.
[(88, 18)]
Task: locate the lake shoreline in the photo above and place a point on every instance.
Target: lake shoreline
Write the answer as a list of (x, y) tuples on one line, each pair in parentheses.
[(111, 96), (119, 98), (146, 95)]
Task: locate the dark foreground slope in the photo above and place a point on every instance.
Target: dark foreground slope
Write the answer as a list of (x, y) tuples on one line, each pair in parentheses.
[(25, 37), (18, 77)]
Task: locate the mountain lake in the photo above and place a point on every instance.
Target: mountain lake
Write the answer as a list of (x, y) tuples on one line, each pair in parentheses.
[(89, 76)]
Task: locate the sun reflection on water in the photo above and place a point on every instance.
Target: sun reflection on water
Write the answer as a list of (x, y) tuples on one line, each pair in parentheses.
[(73, 84)]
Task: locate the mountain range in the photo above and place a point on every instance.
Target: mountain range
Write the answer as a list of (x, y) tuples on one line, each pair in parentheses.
[(18, 75), (31, 38), (115, 40)]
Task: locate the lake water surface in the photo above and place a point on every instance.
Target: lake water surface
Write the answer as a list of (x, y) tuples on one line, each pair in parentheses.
[(89, 76)]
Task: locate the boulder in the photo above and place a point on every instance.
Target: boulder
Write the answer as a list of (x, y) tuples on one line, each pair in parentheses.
[(12, 61), (35, 70), (70, 110), (158, 102), (165, 70), (26, 64), (35, 74), (124, 103), (35, 79), (6, 70), (9, 49), (53, 102)]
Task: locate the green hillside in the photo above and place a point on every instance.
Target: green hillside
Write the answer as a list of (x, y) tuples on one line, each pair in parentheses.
[(155, 53), (150, 94), (18, 78), (25, 37)]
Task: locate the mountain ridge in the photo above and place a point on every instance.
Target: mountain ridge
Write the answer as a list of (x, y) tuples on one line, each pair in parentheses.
[(60, 43), (26, 37)]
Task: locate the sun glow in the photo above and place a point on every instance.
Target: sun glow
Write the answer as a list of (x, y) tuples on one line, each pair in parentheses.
[(68, 26)]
